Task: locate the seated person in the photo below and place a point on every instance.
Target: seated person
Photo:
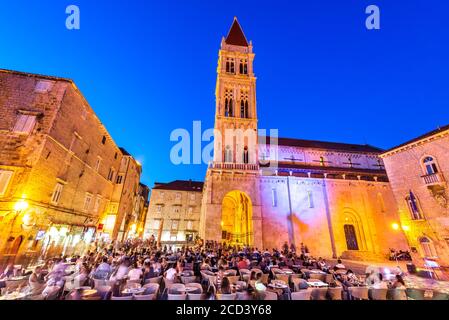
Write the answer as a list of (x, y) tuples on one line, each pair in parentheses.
[(226, 287), (339, 266)]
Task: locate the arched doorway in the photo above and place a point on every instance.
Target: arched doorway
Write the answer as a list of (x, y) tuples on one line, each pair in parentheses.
[(237, 226), (353, 231), (351, 237)]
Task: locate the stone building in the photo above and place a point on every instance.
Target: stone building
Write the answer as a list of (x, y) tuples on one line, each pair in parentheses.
[(263, 191), (58, 168), (418, 174), (174, 212)]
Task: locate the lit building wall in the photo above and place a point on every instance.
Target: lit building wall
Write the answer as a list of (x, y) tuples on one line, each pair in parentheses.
[(427, 226)]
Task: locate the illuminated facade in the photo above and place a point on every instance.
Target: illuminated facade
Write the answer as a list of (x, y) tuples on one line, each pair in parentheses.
[(174, 212), (418, 174), (59, 170), (333, 197)]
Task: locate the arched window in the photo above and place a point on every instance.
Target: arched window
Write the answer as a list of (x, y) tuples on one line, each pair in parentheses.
[(229, 103), (228, 154), (430, 165), (243, 67), (244, 105), (427, 247), (413, 207), (246, 155), (230, 65)]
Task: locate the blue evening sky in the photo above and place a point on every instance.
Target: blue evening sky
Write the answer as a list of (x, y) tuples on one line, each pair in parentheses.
[(149, 67)]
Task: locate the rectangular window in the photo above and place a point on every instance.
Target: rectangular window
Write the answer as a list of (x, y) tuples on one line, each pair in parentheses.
[(113, 207), (97, 204), (274, 198), (192, 197), (119, 179), (98, 164), (174, 225), (43, 86), (111, 174), (159, 209), (57, 193), (178, 196), (5, 178), (310, 199), (103, 140), (190, 211), (156, 224), (189, 225), (25, 124), (87, 202)]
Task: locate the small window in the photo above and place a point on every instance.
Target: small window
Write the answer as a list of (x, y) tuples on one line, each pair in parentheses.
[(103, 140), (119, 179), (413, 206), (43, 86), (87, 202), (174, 225), (427, 248), (98, 164), (189, 225), (111, 174), (430, 166), (178, 196), (192, 197), (25, 124), (156, 224), (310, 199), (274, 197), (159, 209), (5, 178), (190, 210), (57, 193)]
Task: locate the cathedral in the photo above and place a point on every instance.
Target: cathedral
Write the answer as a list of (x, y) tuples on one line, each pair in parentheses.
[(264, 191)]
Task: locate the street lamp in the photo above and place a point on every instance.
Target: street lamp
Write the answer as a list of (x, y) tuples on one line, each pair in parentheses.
[(20, 206)]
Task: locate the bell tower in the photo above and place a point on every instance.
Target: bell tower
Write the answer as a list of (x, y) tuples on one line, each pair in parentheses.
[(236, 112)]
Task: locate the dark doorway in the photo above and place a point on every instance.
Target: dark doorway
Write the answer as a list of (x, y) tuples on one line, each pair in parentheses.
[(351, 237)]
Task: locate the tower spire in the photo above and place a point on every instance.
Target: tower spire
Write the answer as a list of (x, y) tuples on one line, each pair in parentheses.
[(236, 36)]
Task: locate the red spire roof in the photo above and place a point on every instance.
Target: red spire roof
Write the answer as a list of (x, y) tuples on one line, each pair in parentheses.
[(236, 37)]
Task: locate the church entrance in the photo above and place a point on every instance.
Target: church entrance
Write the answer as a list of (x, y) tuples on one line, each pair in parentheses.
[(237, 227), (351, 237)]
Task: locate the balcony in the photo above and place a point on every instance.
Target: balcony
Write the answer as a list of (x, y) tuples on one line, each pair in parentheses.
[(234, 166), (433, 179)]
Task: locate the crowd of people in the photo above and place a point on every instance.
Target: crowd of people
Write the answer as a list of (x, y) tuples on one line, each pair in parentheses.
[(137, 262)]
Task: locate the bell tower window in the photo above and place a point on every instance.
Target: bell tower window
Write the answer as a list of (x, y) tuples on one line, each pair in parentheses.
[(229, 103), (246, 155), (228, 155), (230, 65), (243, 68), (244, 105)]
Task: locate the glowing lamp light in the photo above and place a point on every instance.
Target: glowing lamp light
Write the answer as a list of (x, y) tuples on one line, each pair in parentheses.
[(133, 228), (222, 223), (21, 206), (26, 219), (395, 226), (406, 228)]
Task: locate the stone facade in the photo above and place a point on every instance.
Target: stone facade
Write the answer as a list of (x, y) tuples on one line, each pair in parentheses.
[(57, 161), (174, 212), (333, 197), (418, 171)]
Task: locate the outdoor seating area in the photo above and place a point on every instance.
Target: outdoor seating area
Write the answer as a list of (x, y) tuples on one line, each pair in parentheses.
[(139, 271)]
